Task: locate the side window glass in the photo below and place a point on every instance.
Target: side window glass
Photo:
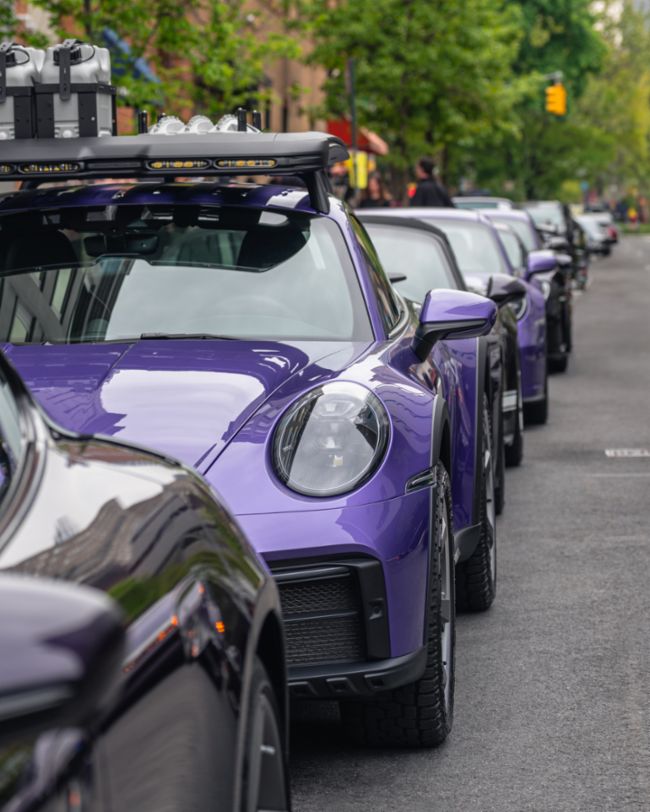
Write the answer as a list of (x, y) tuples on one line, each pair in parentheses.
[(388, 302), (10, 436)]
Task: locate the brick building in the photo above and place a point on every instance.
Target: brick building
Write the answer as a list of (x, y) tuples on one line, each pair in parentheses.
[(295, 87)]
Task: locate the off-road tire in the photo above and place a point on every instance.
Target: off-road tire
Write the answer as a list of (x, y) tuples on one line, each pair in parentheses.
[(500, 474), (265, 780), (419, 714), (476, 581), (560, 360), (515, 452), (559, 364), (536, 414)]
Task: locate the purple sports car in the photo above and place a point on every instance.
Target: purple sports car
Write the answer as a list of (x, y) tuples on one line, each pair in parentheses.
[(480, 254), (556, 286), (251, 332)]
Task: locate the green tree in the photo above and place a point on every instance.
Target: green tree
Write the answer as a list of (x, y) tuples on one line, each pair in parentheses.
[(617, 103), (7, 19), (430, 76), (555, 36), (209, 55)]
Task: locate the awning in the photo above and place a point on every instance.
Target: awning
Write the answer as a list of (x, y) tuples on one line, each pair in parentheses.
[(367, 140)]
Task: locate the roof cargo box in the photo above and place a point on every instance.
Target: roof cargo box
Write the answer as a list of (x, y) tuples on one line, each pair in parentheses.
[(19, 68), (74, 95)]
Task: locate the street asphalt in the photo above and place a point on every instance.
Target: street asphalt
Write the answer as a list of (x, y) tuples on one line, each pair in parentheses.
[(553, 683)]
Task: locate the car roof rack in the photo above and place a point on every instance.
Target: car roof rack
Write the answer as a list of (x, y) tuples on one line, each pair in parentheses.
[(304, 155)]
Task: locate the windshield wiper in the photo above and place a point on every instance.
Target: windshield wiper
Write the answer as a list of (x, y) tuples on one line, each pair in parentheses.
[(184, 336)]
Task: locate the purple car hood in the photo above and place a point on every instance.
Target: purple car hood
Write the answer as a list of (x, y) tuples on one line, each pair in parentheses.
[(184, 398)]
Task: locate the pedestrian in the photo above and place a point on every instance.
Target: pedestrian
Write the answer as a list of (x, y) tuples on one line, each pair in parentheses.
[(428, 191), (375, 195), (633, 217)]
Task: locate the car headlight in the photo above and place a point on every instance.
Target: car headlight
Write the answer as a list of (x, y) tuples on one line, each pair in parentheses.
[(519, 307), (331, 440)]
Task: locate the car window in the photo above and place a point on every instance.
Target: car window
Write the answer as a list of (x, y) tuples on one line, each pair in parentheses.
[(523, 228), (11, 441), (388, 303), (413, 254), (475, 246), (513, 248), (547, 214), (123, 271)]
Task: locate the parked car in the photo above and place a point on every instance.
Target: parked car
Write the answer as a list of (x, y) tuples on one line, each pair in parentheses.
[(599, 239), (560, 232), (606, 219), (479, 255), (556, 285), (251, 332), (481, 202), (432, 265), (141, 645)]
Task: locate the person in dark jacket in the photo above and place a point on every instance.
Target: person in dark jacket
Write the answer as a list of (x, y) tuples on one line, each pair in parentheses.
[(375, 196), (428, 192)]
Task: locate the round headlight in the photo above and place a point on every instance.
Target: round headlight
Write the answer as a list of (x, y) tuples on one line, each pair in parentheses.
[(331, 440)]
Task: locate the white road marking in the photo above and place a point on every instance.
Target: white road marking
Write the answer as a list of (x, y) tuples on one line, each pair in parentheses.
[(627, 452)]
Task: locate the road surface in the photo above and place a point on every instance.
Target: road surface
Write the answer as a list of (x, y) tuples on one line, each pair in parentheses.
[(553, 684)]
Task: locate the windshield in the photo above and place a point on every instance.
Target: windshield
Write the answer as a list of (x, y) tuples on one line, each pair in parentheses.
[(523, 228), (413, 254), (123, 272), (474, 245), (547, 214)]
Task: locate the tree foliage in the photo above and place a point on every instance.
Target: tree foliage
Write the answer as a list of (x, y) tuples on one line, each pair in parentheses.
[(209, 55), (617, 103), (428, 74), (460, 80), (556, 37)]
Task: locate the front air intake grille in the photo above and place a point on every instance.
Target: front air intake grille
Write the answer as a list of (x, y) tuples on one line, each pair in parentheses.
[(324, 595), (338, 639), (322, 615)]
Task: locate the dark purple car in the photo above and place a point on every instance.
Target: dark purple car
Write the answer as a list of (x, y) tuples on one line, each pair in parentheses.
[(556, 285), (251, 332), (141, 648), (480, 254), (432, 264)]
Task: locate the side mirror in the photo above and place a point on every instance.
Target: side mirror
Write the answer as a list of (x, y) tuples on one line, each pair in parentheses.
[(503, 289), (540, 262), (558, 244), (61, 648), (452, 314)]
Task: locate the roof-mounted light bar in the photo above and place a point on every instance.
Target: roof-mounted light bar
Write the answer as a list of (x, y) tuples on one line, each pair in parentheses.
[(211, 154)]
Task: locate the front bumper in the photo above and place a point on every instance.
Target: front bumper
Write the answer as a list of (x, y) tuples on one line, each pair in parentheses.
[(336, 628), (353, 585), (356, 680)]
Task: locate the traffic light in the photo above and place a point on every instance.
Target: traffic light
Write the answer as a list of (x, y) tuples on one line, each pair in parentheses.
[(556, 99)]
